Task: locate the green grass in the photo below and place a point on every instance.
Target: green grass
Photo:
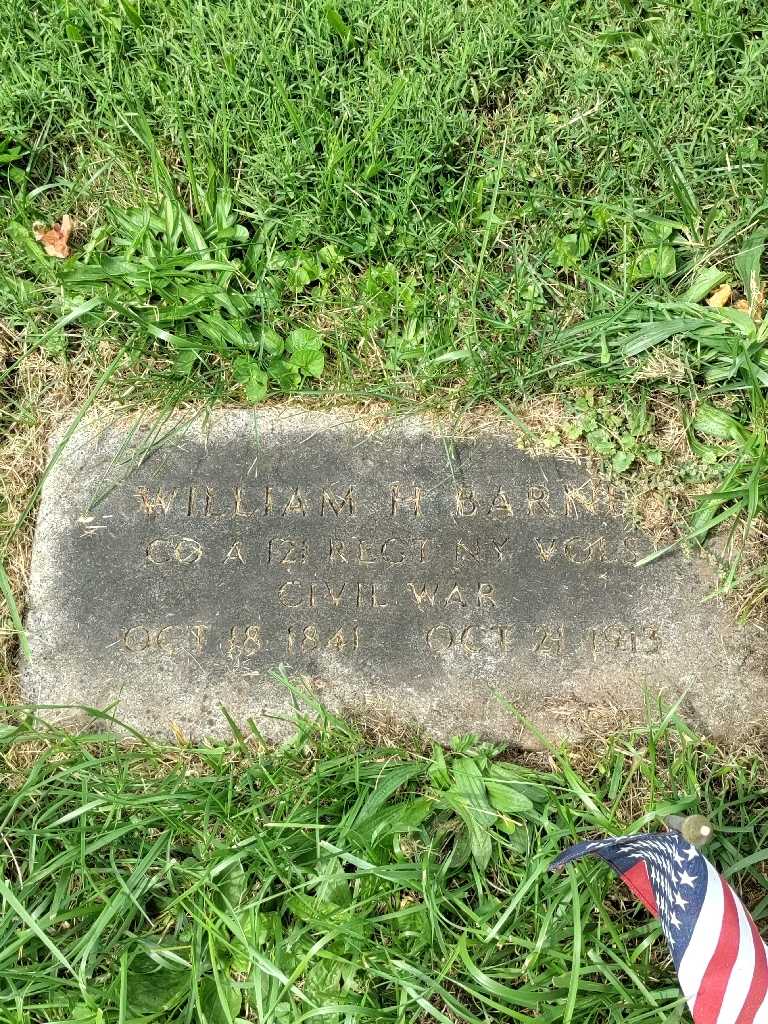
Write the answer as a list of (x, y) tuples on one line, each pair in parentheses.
[(380, 199), (443, 203), (336, 881)]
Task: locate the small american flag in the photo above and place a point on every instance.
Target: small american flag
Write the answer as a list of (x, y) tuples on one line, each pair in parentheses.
[(721, 961)]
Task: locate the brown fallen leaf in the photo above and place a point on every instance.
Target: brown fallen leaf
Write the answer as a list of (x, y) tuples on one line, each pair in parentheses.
[(55, 239), (720, 297), (742, 305)]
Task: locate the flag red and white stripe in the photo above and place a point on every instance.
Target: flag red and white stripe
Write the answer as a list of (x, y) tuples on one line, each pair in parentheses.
[(721, 959)]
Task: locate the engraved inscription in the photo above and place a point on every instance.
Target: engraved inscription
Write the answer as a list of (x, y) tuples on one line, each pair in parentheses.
[(458, 595), (244, 641), (170, 639), (551, 640), (392, 564), (313, 638), (184, 550)]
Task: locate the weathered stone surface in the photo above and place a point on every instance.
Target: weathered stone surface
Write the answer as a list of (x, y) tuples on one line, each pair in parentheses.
[(438, 581)]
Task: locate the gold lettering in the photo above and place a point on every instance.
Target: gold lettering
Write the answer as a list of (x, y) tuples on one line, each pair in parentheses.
[(336, 551), (427, 593), (466, 640), (185, 551), (337, 502), (423, 595), (617, 637), (578, 550), (252, 640), (295, 504), (160, 550), (235, 554), (159, 502), (574, 499), (244, 642), (538, 501), (506, 637), (545, 553), (613, 636), (337, 641), (390, 558), (286, 551), (166, 639), (410, 502), (455, 597), (500, 504), (188, 551), (282, 595), (549, 641), (198, 632), (310, 638), (364, 556), (464, 552), (137, 638), (171, 638), (440, 638), (465, 502), (335, 595), (241, 508), (212, 508), (499, 548)]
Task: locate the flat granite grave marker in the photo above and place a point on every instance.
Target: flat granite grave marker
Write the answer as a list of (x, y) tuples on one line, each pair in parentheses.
[(431, 579)]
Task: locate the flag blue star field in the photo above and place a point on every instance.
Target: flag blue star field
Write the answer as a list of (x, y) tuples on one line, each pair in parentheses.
[(721, 960)]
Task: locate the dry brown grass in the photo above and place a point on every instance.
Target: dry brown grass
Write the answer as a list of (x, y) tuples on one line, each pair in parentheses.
[(37, 395)]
